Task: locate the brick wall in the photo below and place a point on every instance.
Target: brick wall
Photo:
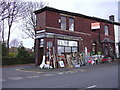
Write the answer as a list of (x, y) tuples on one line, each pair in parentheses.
[(82, 27)]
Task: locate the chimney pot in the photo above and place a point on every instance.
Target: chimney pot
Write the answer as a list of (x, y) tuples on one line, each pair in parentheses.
[(111, 18)]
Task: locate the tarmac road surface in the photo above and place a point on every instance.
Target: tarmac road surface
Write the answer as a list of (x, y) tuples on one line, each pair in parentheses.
[(97, 76)]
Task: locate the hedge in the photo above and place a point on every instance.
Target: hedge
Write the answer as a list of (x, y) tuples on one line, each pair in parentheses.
[(14, 61)]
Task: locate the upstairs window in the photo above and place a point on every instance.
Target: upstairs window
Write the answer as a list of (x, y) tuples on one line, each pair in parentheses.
[(63, 22), (71, 24), (106, 29)]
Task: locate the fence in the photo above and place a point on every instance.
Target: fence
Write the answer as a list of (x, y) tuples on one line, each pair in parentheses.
[(14, 61)]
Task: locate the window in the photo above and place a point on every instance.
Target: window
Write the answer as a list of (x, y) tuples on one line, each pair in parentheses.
[(72, 43), (63, 22), (63, 42), (74, 49), (67, 49), (49, 44), (106, 30), (60, 50), (41, 42), (71, 24), (94, 48), (67, 46)]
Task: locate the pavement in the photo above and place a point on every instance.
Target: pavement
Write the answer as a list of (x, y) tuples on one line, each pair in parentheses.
[(33, 68)]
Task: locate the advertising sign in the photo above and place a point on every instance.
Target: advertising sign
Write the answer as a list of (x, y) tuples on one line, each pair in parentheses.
[(95, 25)]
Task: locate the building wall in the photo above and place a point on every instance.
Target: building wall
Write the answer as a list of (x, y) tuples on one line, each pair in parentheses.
[(82, 27), (118, 46), (41, 20), (81, 24), (52, 19)]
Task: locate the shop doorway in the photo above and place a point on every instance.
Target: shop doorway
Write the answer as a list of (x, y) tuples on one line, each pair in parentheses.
[(41, 54)]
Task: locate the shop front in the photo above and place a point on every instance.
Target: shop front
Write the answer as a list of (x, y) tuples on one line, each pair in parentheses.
[(55, 47)]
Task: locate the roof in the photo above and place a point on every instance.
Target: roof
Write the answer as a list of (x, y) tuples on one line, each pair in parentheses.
[(75, 14)]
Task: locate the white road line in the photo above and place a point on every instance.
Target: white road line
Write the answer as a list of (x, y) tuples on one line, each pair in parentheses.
[(82, 70), (60, 73), (15, 78), (71, 71), (33, 76), (93, 86), (3, 80), (49, 74)]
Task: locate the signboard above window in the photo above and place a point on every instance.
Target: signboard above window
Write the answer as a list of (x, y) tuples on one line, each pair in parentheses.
[(95, 25)]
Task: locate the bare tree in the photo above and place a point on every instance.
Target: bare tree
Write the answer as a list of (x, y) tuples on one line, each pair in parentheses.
[(14, 12), (0, 32), (11, 11), (29, 20), (14, 42), (3, 10), (3, 16)]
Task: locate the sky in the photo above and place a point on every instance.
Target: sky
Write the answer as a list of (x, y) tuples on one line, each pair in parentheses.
[(97, 8)]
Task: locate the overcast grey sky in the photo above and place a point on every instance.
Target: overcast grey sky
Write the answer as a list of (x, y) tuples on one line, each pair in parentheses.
[(97, 8)]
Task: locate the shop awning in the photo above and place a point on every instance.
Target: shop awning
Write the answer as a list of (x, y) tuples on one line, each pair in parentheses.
[(60, 36), (108, 40)]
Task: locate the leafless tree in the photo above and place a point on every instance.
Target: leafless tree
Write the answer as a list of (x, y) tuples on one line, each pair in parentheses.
[(3, 16), (11, 11), (29, 20), (15, 11), (15, 43)]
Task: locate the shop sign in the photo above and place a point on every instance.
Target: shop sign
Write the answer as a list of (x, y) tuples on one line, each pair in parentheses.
[(40, 31), (95, 25), (61, 63)]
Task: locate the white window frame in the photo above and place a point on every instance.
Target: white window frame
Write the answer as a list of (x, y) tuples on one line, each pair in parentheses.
[(106, 30)]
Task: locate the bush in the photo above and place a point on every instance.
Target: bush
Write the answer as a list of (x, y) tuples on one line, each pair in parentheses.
[(14, 61), (12, 54), (22, 53), (4, 50)]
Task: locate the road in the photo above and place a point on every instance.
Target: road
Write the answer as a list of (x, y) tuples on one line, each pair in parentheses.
[(97, 76)]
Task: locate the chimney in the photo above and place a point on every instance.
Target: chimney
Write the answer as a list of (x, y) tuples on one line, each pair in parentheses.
[(111, 18)]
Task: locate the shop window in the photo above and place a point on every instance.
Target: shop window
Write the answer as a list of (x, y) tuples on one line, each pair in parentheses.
[(74, 49), (41, 42), (65, 46), (106, 30), (63, 22), (67, 49), (72, 43), (60, 50), (71, 24), (49, 44), (63, 42)]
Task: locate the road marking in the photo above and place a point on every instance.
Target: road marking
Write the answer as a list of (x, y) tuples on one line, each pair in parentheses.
[(15, 78), (60, 73), (82, 70), (3, 80), (49, 74), (27, 71), (71, 71), (93, 86), (33, 76), (39, 72)]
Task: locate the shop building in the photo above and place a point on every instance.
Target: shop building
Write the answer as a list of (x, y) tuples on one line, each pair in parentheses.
[(61, 32)]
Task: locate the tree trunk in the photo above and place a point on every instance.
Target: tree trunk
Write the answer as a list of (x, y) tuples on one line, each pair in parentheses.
[(3, 32), (8, 39)]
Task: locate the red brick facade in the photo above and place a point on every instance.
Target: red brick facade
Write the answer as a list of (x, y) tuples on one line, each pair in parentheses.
[(48, 19)]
